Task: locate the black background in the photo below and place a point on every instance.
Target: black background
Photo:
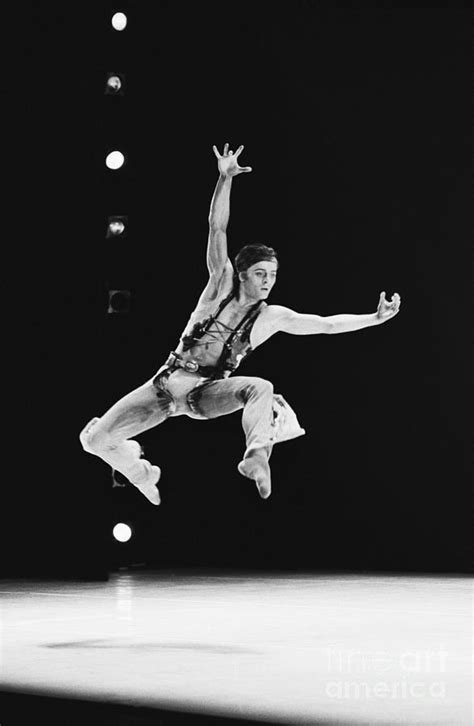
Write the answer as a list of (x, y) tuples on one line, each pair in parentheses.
[(356, 121)]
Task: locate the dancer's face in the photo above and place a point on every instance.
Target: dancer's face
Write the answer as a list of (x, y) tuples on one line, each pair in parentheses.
[(258, 280)]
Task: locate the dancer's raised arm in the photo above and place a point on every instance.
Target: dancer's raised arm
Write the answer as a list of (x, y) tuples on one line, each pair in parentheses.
[(217, 256)]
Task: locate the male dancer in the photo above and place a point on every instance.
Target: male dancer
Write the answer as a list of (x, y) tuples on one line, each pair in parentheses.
[(231, 319)]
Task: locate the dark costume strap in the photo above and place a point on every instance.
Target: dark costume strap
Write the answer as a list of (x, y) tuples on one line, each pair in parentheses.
[(241, 331), (200, 328)]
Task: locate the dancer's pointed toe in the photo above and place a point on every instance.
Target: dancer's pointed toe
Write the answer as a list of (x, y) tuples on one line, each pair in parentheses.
[(256, 467), (147, 484)]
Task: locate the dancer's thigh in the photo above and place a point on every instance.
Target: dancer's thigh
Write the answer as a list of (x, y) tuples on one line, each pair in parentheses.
[(221, 397), (137, 411)]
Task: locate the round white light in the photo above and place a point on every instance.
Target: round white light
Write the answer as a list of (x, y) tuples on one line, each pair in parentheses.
[(114, 83), (115, 160), (122, 532), (117, 227), (119, 21)]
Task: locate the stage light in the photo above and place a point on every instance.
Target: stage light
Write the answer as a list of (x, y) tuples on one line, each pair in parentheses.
[(114, 84), (122, 532), (119, 21), (117, 227), (119, 301), (114, 160)]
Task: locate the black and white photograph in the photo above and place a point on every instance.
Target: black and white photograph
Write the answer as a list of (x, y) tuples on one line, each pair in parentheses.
[(238, 381)]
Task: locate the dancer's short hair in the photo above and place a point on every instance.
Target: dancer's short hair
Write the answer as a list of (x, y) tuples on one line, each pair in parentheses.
[(252, 253)]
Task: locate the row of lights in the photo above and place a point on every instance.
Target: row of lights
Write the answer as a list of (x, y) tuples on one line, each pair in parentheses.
[(118, 299), (114, 85)]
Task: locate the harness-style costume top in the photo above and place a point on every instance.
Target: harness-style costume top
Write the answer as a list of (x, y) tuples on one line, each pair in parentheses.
[(236, 347)]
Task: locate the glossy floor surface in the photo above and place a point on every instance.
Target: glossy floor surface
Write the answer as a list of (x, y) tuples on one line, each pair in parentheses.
[(295, 648)]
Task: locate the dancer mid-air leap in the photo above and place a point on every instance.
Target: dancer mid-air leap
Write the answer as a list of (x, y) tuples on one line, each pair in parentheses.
[(231, 319)]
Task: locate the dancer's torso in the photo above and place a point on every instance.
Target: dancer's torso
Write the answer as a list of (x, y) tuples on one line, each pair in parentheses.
[(207, 348)]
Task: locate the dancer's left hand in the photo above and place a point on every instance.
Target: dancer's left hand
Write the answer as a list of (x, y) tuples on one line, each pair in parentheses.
[(227, 162), (388, 308)]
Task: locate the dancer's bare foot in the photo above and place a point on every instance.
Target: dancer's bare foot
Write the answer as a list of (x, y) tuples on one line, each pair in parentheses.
[(256, 467), (146, 483)]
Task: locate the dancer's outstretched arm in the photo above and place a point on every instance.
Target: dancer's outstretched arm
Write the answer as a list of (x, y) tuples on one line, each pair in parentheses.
[(217, 256), (289, 321)]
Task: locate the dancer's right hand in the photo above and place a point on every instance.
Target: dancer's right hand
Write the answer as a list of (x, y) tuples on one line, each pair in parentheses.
[(227, 162)]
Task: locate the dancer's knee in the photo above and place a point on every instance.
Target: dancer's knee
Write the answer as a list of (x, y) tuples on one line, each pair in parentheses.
[(256, 388), (97, 440), (262, 387)]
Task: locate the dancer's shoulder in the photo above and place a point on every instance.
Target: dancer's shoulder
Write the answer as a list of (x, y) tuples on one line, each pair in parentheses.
[(276, 313), (268, 323)]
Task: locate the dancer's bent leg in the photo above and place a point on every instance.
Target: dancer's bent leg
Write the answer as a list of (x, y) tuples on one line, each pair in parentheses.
[(108, 436), (255, 396)]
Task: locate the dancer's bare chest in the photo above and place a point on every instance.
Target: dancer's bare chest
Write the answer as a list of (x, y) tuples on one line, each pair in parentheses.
[(209, 346)]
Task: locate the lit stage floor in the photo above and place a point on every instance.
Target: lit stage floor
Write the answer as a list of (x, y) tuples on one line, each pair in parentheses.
[(290, 648)]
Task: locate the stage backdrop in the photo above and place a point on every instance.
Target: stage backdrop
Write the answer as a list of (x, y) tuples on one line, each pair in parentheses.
[(355, 122)]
